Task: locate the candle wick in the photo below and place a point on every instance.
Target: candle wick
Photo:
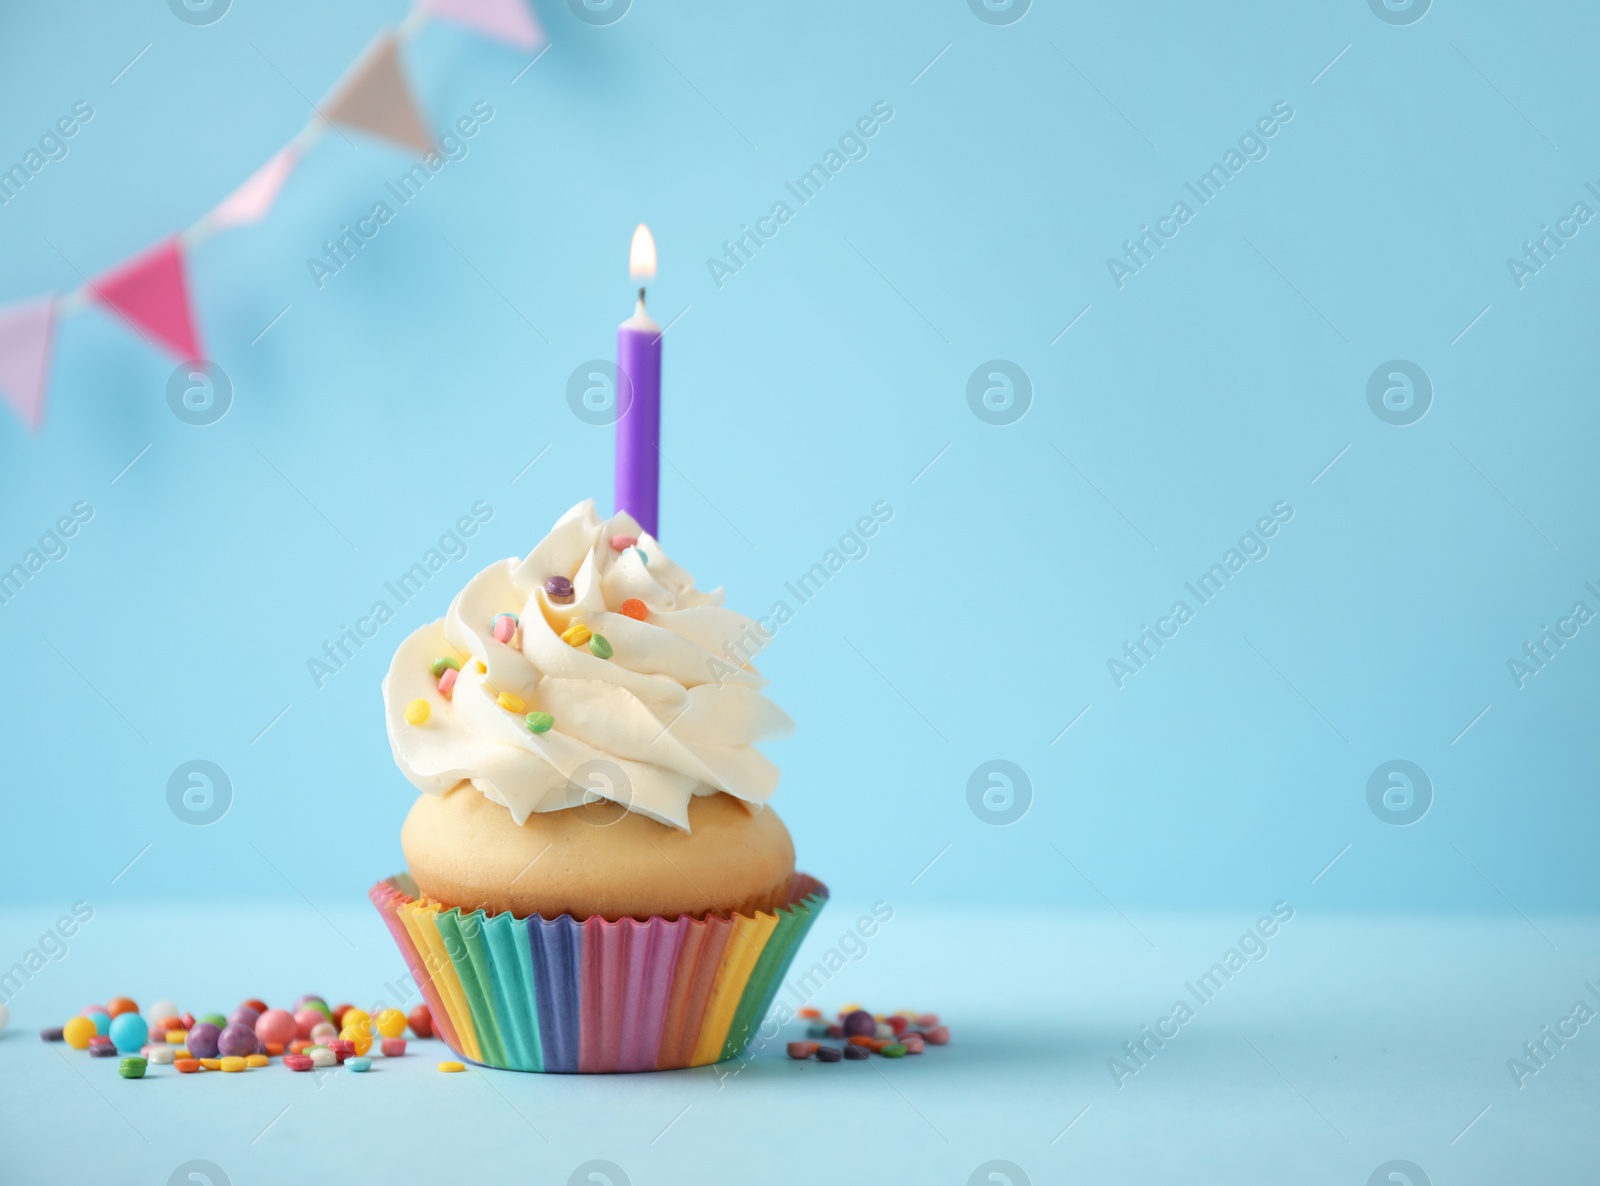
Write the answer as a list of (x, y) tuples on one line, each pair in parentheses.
[(641, 294)]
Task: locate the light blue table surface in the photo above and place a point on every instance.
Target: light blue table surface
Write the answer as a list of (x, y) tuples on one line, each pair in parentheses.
[(1351, 1043)]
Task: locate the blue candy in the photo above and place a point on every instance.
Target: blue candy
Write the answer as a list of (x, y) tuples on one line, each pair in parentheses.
[(128, 1031)]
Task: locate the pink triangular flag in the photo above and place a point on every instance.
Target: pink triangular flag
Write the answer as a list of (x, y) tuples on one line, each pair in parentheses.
[(375, 97), (151, 292), (510, 21), (25, 333), (251, 201)]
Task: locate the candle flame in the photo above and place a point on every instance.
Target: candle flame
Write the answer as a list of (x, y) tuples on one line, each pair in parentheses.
[(642, 254)]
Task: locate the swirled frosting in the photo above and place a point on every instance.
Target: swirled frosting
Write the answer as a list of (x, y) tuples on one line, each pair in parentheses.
[(674, 712)]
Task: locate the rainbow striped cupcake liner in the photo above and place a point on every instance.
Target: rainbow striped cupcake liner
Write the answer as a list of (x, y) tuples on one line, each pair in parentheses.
[(559, 995)]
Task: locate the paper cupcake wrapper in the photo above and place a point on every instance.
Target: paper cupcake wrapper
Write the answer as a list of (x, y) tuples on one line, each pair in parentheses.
[(556, 994)]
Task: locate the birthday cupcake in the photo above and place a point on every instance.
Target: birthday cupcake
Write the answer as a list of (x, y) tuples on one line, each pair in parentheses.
[(596, 882)]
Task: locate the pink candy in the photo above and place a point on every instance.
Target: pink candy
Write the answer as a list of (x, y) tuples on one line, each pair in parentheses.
[(505, 626), (447, 682), (393, 1047), (622, 542), (307, 1020), (277, 1025)]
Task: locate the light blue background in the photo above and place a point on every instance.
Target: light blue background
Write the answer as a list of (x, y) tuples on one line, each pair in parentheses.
[(825, 376)]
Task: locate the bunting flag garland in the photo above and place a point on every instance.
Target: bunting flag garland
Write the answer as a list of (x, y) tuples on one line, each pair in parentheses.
[(25, 331), (375, 97), (150, 291), (510, 21), (250, 202)]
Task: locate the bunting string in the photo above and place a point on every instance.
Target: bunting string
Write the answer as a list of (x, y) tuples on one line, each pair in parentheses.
[(149, 291)]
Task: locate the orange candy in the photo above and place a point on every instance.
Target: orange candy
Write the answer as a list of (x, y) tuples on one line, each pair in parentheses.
[(634, 608), (274, 1048), (117, 1006), (809, 1014), (861, 1040), (187, 1066)]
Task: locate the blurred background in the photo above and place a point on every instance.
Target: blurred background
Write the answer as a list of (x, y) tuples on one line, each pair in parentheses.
[(991, 320)]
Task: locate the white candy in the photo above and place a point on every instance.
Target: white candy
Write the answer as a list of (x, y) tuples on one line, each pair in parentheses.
[(163, 1056), (324, 1031), (5, 1018), (321, 1056), (161, 1009), (884, 1030)]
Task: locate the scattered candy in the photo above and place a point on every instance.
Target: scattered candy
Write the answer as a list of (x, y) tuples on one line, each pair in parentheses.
[(342, 1048), (300, 1045), (440, 665), (893, 1050), (621, 543), (203, 1039), (246, 1016), (635, 609), (129, 1031), (393, 1047), (391, 1023), (54, 1033), (599, 646), (882, 1030), (505, 626), (187, 1066), (808, 1013), (802, 1050), (274, 1048), (297, 1062), (939, 1035), (854, 1051), (859, 1021), (117, 1006), (912, 1043), (559, 590), (215, 1019), (236, 1041), (338, 1013), (103, 1050), (361, 1039), (575, 635), (77, 1032), (100, 1040), (187, 1021), (160, 1010), (417, 712), (447, 682), (829, 1054), (306, 1019), (323, 1031), (511, 703), (276, 1025), (861, 1040), (358, 1064), (101, 1019), (256, 1060), (450, 1067), (836, 1031), (898, 1024), (818, 1031), (259, 1006), (232, 1064), (321, 1056), (163, 1056), (211, 1064), (420, 1021), (539, 722)]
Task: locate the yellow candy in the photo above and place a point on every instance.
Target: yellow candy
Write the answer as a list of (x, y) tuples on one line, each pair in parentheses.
[(391, 1023), (181, 1052), (352, 1017), (232, 1063), (417, 712), (483, 668), (211, 1064), (576, 635), (448, 1067), (255, 1060), (177, 1037), (358, 1036), (511, 703), (77, 1033)]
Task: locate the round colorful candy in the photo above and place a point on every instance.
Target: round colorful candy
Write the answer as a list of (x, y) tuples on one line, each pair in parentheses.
[(599, 646), (297, 1062), (511, 702), (77, 1032), (857, 1052), (161, 1009), (893, 1050), (393, 1047), (323, 1031), (255, 1003), (236, 1041), (232, 1063), (53, 1033), (117, 1006), (504, 627), (342, 1048), (859, 1023), (305, 1020), (256, 1060), (163, 1056), (132, 1067), (102, 1050), (101, 1019), (559, 589), (417, 712), (829, 1054), (129, 1031), (539, 722), (321, 1056), (391, 1023), (215, 1019), (440, 665), (187, 1066), (635, 609), (621, 543), (451, 1068), (244, 1015), (276, 1025), (358, 1063), (447, 682), (420, 1021)]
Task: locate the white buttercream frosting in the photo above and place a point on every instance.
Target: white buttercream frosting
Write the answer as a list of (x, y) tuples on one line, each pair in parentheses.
[(674, 712)]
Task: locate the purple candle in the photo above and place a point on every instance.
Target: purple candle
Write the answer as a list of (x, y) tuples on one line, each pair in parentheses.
[(639, 397)]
